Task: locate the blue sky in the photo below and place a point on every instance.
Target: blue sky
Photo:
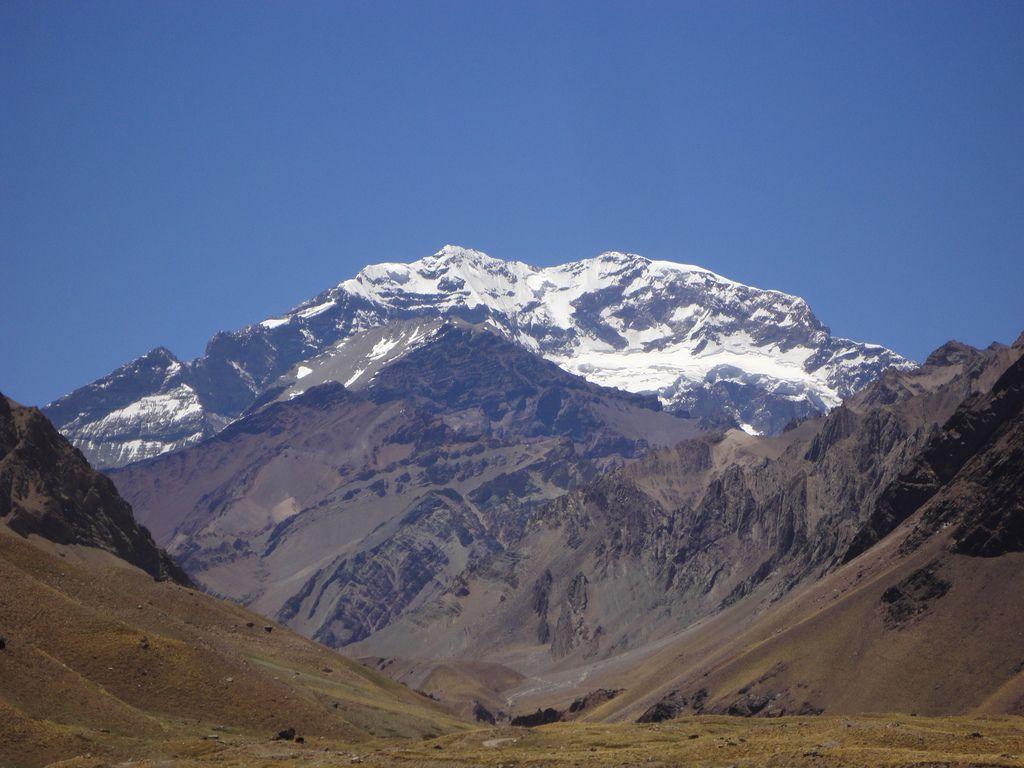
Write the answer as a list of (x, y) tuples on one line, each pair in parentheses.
[(168, 170)]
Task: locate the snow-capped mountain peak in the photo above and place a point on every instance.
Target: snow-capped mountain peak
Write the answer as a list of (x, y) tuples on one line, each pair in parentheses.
[(704, 343), (462, 275)]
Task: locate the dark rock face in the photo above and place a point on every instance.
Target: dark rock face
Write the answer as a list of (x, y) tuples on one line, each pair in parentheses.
[(571, 630), (540, 602), (540, 717), (47, 488), (991, 514), (751, 704), (898, 501), (951, 353), (913, 595), (673, 705), (550, 715), (971, 473), (591, 700), (518, 393), (840, 424), (999, 528), (483, 715)]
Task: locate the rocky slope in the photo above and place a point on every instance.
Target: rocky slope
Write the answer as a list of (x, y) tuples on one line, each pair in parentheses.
[(338, 510), (101, 662), (724, 351), (727, 526), (923, 620), (47, 488)]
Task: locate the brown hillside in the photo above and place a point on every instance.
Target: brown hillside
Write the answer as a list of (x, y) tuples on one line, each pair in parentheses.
[(99, 658)]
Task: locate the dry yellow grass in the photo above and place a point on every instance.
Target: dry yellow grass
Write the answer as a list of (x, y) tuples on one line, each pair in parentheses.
[(102, 660), (862, 742)]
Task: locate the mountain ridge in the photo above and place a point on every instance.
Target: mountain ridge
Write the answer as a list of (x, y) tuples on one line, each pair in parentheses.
[(716, 527), (703, 343), (336, 509), (48, 489)]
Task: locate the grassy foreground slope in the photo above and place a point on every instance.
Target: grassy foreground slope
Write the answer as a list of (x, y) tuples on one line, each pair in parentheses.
[(697, 742), (99, 659)]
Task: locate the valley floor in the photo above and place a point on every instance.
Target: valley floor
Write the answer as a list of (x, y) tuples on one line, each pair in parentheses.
[(871, 740)]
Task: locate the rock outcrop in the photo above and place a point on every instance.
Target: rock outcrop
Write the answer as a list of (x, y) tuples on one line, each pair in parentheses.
[(47, 488)]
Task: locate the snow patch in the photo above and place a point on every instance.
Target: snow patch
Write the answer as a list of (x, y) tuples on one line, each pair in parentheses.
[(319, 309), (275, 322)]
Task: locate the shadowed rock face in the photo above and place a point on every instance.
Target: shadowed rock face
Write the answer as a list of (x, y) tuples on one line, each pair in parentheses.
[(47, 488), (674, 704), (469, 370), (972, 468), (913, 595), (540, 717)]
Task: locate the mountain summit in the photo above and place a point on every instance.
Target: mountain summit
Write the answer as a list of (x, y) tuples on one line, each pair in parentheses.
[(721, 350)]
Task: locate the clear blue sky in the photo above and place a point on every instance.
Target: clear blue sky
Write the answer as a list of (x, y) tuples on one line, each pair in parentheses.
[(171, 169)]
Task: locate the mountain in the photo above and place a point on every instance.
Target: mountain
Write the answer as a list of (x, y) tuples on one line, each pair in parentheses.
[(677, 573), (151, 405), (47, 488), (923, 620), (482, 524), (337, 510), (720, 350), (102, 662)]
